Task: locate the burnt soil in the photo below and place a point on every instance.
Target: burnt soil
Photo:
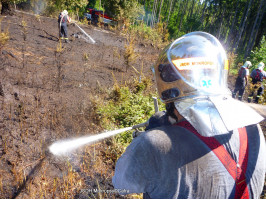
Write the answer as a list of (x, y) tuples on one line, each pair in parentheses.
[(49, 93)]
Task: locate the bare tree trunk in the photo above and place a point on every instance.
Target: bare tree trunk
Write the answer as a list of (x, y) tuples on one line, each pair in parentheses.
[(160, 11), (252, 36), (192, 8), (233, 24), (203, 11), (182, 15), (198, 8), (154, 12), (170, 9), (6, 9), (221, 23), (207, 17), (243, 25), (180, 9)]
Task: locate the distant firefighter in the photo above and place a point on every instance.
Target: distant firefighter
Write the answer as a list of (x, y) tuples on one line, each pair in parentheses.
[(242, 80), (257, 76), (62, 23)]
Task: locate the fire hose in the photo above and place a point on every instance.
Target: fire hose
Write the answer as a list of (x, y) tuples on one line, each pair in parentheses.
[(65, 146)]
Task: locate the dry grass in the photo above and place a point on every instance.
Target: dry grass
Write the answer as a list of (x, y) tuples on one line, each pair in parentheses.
[(48, 108), (130, 55), (34, 119), (4, 36)]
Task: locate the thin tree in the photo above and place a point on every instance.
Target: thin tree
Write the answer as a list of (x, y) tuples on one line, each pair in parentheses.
[(221, 23), (170, 10), (259, 13), (154, 9), (232, 27), (182, 15), (203, 11), (192, 8), (258, 27), (243, 25), (160, 11)]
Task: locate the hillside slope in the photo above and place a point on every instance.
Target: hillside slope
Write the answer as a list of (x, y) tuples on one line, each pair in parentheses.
[(49, 92)]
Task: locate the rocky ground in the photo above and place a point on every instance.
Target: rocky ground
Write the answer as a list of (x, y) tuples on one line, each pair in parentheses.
[(49, 90)]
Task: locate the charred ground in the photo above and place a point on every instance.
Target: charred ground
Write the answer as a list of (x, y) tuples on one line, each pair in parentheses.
[(49, 90), (48, 93)]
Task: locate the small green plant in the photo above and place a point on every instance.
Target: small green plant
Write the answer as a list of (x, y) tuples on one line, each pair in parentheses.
[(259, 53), (127, 105), (157, 35), (233, 67)]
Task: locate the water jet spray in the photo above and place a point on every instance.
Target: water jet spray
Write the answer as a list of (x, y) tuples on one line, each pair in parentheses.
[(65, 146), (92, 40)]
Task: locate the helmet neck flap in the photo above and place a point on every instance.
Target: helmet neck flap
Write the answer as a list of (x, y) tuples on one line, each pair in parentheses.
[(192, 73)]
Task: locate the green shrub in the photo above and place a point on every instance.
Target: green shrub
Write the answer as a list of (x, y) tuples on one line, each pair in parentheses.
[(126, 106), (233, 67), (259, 54), (156, 35)]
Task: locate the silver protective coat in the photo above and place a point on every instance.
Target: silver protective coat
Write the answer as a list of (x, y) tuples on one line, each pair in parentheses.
[(216, 115)]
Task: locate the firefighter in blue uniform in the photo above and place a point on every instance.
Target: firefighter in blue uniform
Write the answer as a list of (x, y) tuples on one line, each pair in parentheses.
[(242, 80), (207, 144), (62, 23), (257, 76)]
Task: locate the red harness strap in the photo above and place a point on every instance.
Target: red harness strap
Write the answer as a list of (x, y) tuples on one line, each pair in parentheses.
[(237, 171)]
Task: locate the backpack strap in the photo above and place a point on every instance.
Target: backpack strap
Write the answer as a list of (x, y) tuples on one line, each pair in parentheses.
[(241, 71), (257, 76), (236, 170)]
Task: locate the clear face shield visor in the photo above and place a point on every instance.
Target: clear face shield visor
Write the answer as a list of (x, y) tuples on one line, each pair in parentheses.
[(194, 64)]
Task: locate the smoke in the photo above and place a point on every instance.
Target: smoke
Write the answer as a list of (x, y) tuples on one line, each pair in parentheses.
[(39, 6)]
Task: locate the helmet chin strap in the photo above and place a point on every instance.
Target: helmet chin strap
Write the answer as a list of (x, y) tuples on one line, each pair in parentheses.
[(172, 112), (170, 107)]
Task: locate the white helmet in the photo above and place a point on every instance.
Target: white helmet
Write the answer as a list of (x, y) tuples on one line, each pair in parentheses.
[(248, 64), (193, 65), (261, 66), (65, 12)]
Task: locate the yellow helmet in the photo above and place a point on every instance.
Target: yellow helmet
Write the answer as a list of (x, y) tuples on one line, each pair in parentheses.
[(193, 65)]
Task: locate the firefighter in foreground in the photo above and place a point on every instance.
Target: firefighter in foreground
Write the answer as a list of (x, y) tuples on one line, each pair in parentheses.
[(206, 145), (257, 76), (62, 23), (242, 80)]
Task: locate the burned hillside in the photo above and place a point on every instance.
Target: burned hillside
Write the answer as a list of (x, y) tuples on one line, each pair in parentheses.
[(48, 92)]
